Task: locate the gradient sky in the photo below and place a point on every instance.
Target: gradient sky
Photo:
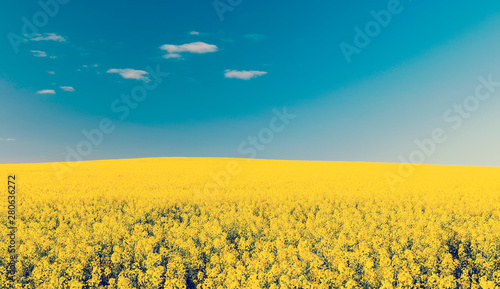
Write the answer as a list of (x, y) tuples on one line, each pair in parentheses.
[(248, 59)]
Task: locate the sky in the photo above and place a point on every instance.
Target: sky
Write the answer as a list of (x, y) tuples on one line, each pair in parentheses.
[(375, 81)]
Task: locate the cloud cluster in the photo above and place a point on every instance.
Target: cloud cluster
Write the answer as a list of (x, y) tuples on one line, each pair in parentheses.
[(173, 51), (243, 74), (129, 73), (46, 37), (7, 139)]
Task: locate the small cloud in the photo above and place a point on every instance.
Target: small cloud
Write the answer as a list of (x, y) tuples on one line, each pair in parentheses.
[(46, 91), (52, 56), (51, 72), (194, 33), (254, 37), (48, 37), (38, 53), (195, 47), (172, 55), (7, 139), (88, 66), (243, 74), (67, 88), (129, 73)]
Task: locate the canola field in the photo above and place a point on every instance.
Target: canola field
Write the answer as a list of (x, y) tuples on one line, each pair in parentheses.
[(232, 223)]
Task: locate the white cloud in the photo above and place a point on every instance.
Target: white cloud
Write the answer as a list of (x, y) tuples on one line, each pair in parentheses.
[(51, 72), (49, 37), (46, 91), (7, 139), (38, 53), (68, 88), (129, 73), (195, 47), (194, 33), (243, 74), (95, 65)]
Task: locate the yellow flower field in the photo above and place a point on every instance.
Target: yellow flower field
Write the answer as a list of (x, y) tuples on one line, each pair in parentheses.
[(233, 223)]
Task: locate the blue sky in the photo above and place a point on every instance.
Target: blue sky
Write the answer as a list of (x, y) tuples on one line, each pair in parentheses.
[(231, 63)]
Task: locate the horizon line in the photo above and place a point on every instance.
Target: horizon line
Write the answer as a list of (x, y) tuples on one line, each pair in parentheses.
[(236, 158)]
